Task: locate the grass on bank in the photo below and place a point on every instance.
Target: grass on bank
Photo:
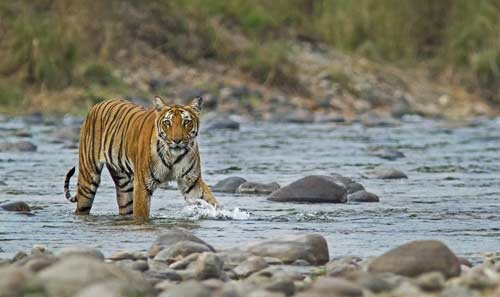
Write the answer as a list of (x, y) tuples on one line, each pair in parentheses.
[(48, 45)]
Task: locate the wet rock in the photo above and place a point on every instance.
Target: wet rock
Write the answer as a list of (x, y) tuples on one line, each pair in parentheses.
[(223, 123), (2, 183), (339, 267), (363, 196), (187, 289), (171, 237), (22, 133), (180, 250), (350, 185), (253, 264), (418, 257), (330, 286), (80, 251), (19, 146), (228, 185), (431, 282), (388, 154), (208, 265), (72, 275), (40, 251), (387, 173), (257, 188), (312, 248), (311, 189), (16, 206)]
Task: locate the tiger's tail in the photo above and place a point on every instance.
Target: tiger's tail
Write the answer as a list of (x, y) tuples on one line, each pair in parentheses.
[(70, 173)]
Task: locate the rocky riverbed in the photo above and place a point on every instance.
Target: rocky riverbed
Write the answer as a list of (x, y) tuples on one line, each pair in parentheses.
[(179, 263)]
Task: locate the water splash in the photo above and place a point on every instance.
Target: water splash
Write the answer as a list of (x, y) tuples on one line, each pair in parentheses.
[(202, 210)]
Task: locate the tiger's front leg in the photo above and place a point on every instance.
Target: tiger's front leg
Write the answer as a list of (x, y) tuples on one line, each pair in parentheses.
[(141, 199), (193, 187)]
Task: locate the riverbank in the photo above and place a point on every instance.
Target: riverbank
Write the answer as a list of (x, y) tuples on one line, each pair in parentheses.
[(180, 264)]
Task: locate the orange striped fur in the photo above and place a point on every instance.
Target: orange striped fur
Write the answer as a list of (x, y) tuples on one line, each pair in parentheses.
[(141, 148)]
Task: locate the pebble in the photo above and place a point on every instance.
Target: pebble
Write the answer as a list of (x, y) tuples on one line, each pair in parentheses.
[(387, 173)]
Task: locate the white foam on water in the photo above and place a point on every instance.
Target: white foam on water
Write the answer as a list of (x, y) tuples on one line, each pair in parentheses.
[(202, 210)]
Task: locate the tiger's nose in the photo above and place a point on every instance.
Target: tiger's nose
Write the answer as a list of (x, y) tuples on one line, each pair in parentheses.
[(177, 141)]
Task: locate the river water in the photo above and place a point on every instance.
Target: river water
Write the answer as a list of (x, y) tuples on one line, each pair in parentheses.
[(452, 193)]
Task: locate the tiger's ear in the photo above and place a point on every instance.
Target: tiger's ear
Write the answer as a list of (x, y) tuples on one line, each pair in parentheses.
[(196, 104), (158, 103)]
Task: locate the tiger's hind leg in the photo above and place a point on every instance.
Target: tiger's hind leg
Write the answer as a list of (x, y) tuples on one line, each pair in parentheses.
[(88, 182), (124, 185)]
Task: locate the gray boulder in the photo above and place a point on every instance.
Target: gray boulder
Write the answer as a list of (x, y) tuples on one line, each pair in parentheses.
[(418, 257), (257, 188), (363, 196), (311, 248), (171, 237), (16, 206), (228, 185), (350, 185), (311, 189)]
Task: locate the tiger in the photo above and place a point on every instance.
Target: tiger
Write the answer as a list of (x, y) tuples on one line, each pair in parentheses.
[(141, 148)]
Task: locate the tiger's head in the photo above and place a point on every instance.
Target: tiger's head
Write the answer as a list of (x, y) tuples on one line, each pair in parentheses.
[(177, 125)]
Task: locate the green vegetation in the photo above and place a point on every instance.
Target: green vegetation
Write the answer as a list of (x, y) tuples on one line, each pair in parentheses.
[(56, 44)]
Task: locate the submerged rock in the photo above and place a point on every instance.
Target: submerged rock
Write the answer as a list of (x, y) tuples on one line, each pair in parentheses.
[(418, 257), (388, 154), (387, 173), (222, 124), (171, 237), (311, 189), (350, 185), (363, 196), (19, 146), (257, 188), (311, 248), (228, 185), (16, 206)]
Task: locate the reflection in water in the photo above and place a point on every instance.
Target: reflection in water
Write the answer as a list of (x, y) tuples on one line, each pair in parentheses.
[(451, 194)]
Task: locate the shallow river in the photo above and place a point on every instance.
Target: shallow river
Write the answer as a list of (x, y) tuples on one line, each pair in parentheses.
[(452, 194)]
